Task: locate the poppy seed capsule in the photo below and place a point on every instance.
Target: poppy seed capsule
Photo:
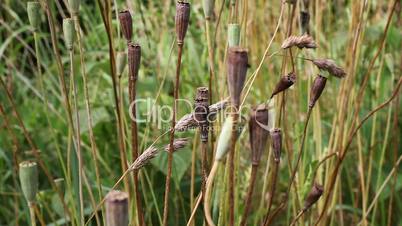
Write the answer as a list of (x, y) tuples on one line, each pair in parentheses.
[(28, 172), (126, 24), (258, 125), (33, 9), (117, 208), (233, 34), (121, 61), (201, 111), (223, 143), (313, 196), (208, 8), (276, 137), (134, 60), (316, 89), (74, 6), (285, 82), (69, 33), (237, 64), (182, 19)]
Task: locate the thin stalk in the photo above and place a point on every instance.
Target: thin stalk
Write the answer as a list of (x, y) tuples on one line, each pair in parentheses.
[(172, 130), (254, 170), (192, 183), (204, 167), (232, 169), (207, 196), (210, 58), (297, 217), (272, 193), (32, 213)]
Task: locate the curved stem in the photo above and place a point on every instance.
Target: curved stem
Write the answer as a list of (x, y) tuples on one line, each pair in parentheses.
[(254, 170), (207, 196)]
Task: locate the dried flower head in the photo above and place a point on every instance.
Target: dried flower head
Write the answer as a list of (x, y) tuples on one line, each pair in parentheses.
[(316, 89), (34, 11), (121, 61), (304, 21), (28, 172), (144, 158), (329, 66), (201, 110), (285, 82), (258, 125), (74, 6), (304, 41), (126, 24), (276, 137), (313, 196), (182, 20), (208, 8), (116, 208), (69, 33), (178, 143), (237, 69), (134, 60), (233, 35)]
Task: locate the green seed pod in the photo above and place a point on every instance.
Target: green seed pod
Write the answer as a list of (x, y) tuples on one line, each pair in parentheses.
[(117, 208), (209, 8), (74, 6), (222, 146), (234, 34), (69, 33), (34, 10), (29, 179), (121, 61)]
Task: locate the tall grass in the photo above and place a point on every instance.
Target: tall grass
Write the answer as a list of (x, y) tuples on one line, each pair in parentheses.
[(332, 157)]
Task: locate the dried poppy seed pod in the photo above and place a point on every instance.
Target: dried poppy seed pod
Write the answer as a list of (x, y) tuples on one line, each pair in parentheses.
[(182, 19), (134, 60), (126, 24), (303, 41), (316, 89), (233, 35), (276, 137), (121, 61), (28, 171), (34, 9), (209, 8), (285, 82), (304, 21), (313, 196), (74, 6), (237, 69), (329, 66), (258, 125), (117, 208), (69, 33), (201, 111)]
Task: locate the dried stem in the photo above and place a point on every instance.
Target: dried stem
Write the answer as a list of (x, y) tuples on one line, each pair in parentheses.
[(170, 154), (232, 168), (297, 217), (32, 213), (272, 193), (249, 196), (207, 210)]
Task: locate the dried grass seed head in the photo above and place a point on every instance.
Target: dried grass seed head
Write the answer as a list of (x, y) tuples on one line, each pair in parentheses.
[(144, 158), (69, 33), (258, 125), (28, 173), (134, 60), (276, 139), (126, 24), (237, 64), (316, 89), (313, 196), (284, 83), (34, 14), (116, 208), (303, 41), (182, 19), (178, 143), (329, 66)]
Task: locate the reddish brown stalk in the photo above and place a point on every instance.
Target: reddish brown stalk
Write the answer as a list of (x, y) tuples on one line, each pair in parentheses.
[(249, 196), (232, 168)]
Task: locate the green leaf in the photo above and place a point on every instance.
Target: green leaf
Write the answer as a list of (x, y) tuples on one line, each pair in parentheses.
[(181, 162)]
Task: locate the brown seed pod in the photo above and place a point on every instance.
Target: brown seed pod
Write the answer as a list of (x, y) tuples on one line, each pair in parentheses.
[(304, 41), (285, 82), (237, 69), (117, 208), (276, 137), (330, 66), (182, 20), (258, 125), (313, 196), (126, 24), (178, 143), (304, 21), (316, 89), (134, 60), (201, 110)]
